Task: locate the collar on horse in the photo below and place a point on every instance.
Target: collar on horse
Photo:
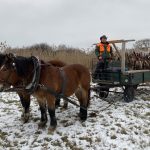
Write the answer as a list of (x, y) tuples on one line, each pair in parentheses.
[(31, 87)]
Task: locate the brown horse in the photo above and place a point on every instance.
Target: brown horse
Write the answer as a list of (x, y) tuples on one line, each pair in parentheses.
[(77, 79), (23, 95)]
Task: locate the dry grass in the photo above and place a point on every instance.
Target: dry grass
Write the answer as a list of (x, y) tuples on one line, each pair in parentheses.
[(67, 54)]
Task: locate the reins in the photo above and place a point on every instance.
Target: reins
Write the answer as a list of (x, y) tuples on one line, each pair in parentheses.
[(49, 90), (58, 95)]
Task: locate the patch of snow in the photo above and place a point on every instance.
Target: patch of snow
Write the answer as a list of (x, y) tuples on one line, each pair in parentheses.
[(121, 126)]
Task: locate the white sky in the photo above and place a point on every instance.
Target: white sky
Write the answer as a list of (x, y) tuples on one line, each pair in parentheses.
[(77, 23)]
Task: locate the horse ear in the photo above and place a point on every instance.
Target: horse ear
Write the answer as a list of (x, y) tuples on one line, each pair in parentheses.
[(10, 56)]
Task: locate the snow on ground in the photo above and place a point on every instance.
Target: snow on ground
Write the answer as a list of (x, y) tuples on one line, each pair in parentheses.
[(122, 126)]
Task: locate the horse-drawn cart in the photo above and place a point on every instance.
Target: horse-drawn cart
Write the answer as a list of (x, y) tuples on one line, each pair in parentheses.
[(119, 75)]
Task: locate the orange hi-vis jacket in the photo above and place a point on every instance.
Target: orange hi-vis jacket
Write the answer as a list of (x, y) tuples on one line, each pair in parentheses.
[(102, 48)]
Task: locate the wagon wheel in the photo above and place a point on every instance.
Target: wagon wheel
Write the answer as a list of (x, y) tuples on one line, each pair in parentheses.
[(103, 93), (129, 93)]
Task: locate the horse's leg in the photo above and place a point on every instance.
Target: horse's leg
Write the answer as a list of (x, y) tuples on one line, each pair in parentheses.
[(65, 106), (51, 110), (43, 110), (57, 104), (82, 96), (25, 101)]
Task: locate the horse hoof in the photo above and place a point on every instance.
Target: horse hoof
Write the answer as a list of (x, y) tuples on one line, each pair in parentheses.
[(42, 124), (22, 115), (82, 117), (51, 129), (25, 120), (25, 117)]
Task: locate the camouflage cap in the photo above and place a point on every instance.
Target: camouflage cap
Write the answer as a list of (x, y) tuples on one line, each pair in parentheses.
[(103, 36)]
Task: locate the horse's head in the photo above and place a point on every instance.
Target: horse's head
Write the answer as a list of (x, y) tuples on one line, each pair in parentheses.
[(7, 69), (7, 62)]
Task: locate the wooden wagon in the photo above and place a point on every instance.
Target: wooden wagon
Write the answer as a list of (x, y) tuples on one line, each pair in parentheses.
[(118, 75)]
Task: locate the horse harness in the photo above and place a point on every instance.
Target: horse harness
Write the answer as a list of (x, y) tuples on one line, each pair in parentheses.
[(32, 87), (64, 81)]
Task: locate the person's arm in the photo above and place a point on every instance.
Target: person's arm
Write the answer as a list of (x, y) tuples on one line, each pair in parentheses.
[(97, 52)]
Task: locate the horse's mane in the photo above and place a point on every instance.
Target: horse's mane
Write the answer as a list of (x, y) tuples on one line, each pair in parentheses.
[(22, 65), (57, 63), (2, 58)]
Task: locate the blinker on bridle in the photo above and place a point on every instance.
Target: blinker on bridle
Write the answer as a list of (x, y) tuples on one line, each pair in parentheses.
[(4, 63)]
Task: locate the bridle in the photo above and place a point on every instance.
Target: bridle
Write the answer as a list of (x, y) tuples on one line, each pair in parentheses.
[(5, 81)]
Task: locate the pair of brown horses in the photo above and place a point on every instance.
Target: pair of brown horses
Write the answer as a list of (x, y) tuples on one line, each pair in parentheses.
[(18, 71)]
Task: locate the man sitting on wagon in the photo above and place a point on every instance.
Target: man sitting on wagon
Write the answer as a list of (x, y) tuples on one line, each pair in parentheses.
[(103, 51)]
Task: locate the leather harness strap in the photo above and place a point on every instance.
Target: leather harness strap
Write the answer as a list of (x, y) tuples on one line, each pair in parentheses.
[(64, 81), (31, 87)]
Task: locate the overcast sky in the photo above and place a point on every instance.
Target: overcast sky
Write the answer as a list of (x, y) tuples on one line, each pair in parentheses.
[(77, 23)]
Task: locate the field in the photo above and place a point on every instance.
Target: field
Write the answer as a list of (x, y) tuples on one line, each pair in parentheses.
[(122, 126)]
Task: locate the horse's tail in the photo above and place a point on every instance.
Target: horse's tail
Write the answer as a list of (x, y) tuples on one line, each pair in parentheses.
[(89, 97)]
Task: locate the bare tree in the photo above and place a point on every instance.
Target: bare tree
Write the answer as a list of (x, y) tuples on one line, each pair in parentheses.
[(3, 46), (142, 45)]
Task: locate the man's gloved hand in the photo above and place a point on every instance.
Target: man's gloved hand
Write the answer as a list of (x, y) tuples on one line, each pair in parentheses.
[(100, 58)]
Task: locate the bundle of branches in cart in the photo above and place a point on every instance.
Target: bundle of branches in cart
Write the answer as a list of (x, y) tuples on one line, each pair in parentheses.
[(138, 60), (135, 60)]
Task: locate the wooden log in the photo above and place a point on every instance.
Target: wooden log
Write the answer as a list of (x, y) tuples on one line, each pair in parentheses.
[(117, 41)]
